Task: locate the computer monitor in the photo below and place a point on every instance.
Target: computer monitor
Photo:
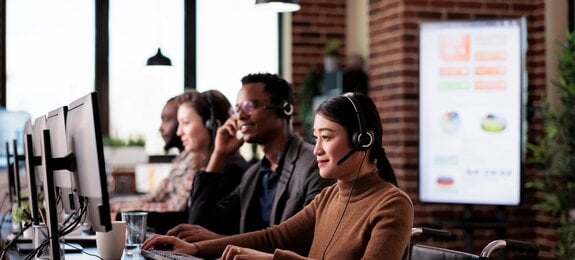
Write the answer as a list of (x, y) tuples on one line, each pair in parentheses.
[(37, 129), (32, 160), (85, 142), (36, 166), (13, 186), (64, 180), (49, 166)]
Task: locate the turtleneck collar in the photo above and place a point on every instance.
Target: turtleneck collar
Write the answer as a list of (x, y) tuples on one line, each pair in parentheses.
[(363, 187)]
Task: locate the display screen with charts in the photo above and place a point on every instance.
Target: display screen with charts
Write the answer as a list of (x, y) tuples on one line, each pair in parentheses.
[(472, 111)]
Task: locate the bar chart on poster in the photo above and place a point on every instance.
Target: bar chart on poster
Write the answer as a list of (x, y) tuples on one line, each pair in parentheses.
[(472, 111)]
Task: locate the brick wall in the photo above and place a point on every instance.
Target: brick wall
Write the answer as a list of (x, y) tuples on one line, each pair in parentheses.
[(393, 73), (318, 22)]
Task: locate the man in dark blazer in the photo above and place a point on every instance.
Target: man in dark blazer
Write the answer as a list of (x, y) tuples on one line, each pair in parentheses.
[(273, 189)]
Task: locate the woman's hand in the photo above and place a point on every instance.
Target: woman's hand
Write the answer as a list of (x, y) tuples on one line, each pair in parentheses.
[(192, 233), (170, 243), (237, 253)]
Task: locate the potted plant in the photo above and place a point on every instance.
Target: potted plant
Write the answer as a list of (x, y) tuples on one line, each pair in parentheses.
[(331, 58), (555, 153), (21, 217), (122, 153), (21, 214)]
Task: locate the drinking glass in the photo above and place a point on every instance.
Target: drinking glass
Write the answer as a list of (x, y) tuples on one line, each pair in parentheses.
[(136, 223)]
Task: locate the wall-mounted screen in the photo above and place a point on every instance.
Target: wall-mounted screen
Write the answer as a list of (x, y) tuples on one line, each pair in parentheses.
[(472, 111)]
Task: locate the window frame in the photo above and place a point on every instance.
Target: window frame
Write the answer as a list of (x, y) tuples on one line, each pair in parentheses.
[(101, 76)]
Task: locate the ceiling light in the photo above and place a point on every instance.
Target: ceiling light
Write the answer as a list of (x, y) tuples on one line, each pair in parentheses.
[(279, 5), (159, 60)]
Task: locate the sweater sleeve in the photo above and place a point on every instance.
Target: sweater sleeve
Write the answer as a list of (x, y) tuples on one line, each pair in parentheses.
[(391, 229), (295, 234), (280, 254)]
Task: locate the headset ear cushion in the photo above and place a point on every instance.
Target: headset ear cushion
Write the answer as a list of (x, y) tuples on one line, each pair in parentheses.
[(213, 125), (365, 140), (287, 109)]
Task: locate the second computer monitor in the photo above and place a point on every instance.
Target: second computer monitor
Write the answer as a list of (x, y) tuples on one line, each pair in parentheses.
[(64, 180), (34, 183), (85, 142)]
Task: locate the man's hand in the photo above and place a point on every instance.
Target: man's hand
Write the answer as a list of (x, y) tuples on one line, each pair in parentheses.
[(192, 233), (225, 144), (226, 140)]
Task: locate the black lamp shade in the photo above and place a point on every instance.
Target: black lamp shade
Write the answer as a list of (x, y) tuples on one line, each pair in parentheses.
[(159, 60), (280, 5)]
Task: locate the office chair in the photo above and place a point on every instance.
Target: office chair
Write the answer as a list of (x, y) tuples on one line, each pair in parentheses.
[(426, 233), (435, 234), (425, 252)]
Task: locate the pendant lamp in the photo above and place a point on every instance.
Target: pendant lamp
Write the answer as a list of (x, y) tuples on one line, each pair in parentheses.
[(159, 60), (279, 5)]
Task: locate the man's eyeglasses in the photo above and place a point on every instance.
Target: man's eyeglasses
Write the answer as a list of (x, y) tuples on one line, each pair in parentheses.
[(248, 106)]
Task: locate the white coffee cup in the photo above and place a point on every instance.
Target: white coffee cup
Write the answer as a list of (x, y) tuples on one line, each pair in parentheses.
[(111, 244)]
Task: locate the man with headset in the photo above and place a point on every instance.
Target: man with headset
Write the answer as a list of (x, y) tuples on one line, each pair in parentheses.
[(273, 189)]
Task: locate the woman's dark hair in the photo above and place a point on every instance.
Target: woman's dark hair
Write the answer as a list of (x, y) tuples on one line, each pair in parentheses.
[(340, 109), (220, 106), (277, 87)]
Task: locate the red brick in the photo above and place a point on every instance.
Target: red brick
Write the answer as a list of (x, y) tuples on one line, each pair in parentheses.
[(441, 3), (471, 5), (500, 6)]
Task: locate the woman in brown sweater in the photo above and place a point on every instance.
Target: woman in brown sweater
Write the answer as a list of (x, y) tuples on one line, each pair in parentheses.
[(364, 216)]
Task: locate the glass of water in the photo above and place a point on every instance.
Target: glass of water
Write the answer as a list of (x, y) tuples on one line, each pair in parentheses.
[(136, 223)]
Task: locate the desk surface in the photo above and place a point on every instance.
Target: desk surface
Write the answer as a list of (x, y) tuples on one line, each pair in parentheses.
[(91, 251), (90, 254), (94, 251)]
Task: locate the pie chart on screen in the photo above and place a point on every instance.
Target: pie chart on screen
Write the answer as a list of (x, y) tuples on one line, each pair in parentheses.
[(493, 123), (445, 181), (450, 122)]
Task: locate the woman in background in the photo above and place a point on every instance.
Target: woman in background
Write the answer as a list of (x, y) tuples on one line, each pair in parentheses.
[(199, 115), (364, 215)]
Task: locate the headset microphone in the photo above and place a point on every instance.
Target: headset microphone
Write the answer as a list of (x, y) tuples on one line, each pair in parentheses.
[(348, 154)]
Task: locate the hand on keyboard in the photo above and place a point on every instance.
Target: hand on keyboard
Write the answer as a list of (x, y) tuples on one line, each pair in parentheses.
[(166, 255)]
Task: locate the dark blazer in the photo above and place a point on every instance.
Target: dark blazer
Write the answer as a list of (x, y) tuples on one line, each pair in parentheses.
[(298, 184)]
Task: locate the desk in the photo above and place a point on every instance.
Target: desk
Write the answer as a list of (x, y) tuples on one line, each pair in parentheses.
[(12, 254), (94, 251)]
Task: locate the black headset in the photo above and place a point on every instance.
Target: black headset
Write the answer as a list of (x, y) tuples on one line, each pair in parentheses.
[(361, 139), (212, 123), (286, 108)]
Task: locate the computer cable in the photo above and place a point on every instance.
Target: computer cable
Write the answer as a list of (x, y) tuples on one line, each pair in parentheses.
[(82, 250), (5, 249)]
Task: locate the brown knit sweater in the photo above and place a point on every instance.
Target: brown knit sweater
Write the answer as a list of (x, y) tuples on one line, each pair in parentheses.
[(376, 225)]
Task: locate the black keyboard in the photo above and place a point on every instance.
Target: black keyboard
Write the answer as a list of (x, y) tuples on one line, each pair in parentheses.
[(166, 255)]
